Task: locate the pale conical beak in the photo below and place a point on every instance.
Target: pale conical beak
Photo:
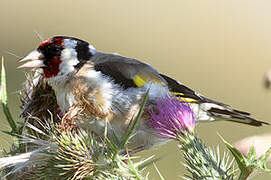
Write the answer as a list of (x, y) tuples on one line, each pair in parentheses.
[(34, 60)]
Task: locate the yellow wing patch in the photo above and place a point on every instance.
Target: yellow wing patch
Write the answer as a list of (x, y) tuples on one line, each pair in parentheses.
[(183, 99), (139, 81), (142, 79)]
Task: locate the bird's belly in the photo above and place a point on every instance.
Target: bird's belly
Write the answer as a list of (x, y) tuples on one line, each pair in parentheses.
[(143, 136), (65, 99)]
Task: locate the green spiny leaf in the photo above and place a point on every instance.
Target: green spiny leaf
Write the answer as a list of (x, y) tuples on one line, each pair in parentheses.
[(131, 130), (263, 159), (240, 159), (251, 156), (4, 99)]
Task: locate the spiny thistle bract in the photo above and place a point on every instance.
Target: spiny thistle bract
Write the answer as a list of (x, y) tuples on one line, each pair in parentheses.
[(69, 155), (202, 162), (79, 155)]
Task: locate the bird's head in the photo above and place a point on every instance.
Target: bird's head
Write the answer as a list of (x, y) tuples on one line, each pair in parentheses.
[(59, 55)]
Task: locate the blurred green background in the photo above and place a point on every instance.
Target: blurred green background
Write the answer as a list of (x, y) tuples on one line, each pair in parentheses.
[(219, 48)]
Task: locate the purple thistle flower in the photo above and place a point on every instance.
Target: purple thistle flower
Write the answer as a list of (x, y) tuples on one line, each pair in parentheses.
[(171, 117)]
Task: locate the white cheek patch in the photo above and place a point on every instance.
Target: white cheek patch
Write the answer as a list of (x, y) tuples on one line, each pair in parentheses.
[(68, 43), (68, 57)]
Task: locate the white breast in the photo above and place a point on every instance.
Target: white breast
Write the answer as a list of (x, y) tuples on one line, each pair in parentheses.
[(65, 99)]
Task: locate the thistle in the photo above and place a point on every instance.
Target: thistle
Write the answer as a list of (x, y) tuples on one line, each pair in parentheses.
[(174, 119), (69, 155)]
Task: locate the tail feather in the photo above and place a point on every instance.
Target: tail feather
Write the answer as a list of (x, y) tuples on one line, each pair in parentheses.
[(235, 116), (241, 112), (206, 109)]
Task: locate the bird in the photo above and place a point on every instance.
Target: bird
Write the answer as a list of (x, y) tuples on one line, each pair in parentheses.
[(104, 87)]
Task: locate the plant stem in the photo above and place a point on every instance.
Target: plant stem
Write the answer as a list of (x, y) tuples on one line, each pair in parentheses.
[(244, 175)]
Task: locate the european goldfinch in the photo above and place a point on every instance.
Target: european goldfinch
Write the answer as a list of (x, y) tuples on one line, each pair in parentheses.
[(101, 86)]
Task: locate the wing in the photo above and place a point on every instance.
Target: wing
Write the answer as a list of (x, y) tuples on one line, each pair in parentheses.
[(126, 72), (129, 73)]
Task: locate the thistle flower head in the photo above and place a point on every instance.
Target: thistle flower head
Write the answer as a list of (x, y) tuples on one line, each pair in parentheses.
[(171, 117)]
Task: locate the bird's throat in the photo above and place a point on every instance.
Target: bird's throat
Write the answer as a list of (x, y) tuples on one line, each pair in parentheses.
[(52, 69)]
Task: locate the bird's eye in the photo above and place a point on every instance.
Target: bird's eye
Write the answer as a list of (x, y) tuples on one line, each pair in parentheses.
[(55, 49), (50, 50)]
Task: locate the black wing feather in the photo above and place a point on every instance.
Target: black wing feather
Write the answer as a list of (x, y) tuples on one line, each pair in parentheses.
[(110, 70), (175, 86)]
